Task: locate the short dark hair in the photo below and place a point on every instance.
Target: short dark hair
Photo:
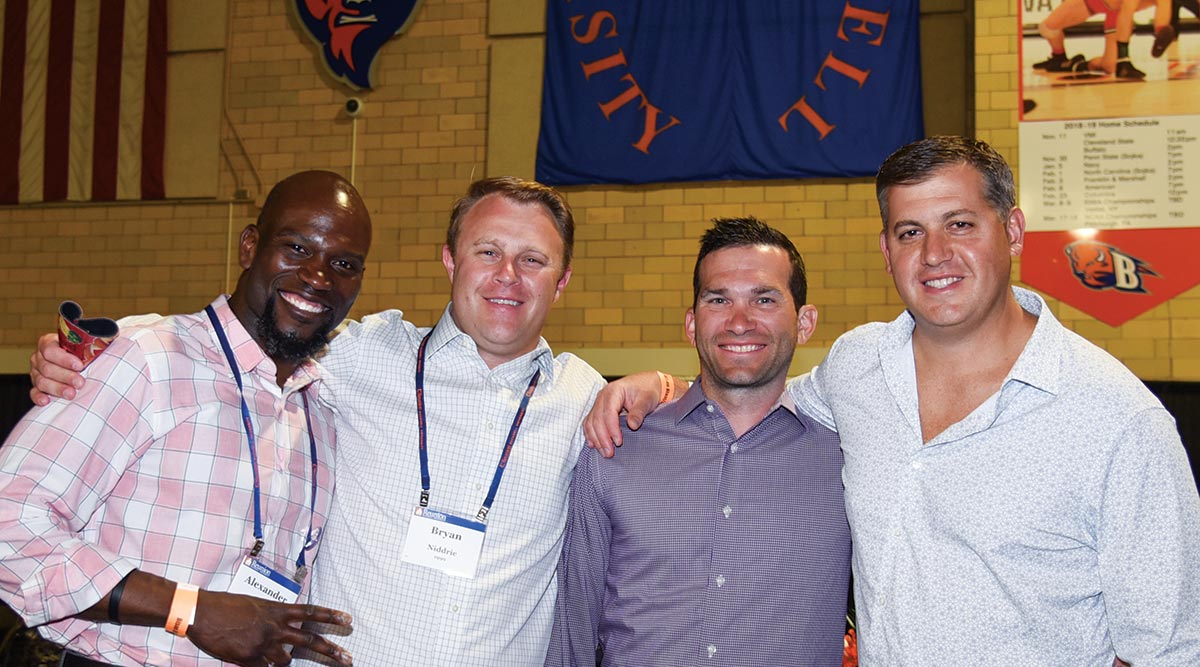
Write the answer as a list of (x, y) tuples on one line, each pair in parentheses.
[(520, 191), (750, 231), (917, 162)]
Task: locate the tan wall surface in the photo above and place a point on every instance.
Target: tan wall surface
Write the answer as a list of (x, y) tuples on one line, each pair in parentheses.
[(422, 136)]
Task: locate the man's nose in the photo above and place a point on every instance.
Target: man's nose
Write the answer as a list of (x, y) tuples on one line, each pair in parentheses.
[(506, 272), (740, 320), (935, 249), (313, 273)]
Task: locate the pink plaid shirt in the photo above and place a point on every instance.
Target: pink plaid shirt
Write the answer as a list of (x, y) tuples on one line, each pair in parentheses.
[(148, 468)]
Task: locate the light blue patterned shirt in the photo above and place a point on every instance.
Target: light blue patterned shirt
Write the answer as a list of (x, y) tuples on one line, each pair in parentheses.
[(1057, 524)]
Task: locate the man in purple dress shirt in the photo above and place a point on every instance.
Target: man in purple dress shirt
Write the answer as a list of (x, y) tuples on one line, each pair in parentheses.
[(721, 536)]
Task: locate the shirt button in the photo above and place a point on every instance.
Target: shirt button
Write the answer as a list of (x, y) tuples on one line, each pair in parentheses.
[(733, 448), (454, 608), (720, 580), (916, 465), (709, 407), (712, 650), (897, 532), (727, 510)]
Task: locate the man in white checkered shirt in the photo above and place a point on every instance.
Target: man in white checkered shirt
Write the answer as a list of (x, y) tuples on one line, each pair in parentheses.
[(116, 506), (508, 257)]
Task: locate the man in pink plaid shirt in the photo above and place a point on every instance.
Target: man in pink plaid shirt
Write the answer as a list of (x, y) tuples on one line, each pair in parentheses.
[(134, 526)]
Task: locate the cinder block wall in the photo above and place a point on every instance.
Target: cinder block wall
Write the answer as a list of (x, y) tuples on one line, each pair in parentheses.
[(422, 137)]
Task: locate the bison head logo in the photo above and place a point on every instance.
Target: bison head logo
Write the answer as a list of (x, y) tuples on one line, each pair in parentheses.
[(1102, 266), (351, 32)]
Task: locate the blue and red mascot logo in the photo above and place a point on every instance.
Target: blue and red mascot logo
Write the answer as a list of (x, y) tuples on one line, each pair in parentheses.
[(1102, 266), (351, 32)]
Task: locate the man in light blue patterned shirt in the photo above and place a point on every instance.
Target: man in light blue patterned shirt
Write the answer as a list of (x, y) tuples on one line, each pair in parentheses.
[(1016, 496)]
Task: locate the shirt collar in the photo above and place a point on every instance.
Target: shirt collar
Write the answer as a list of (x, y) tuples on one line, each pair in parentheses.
[(1038, 363), (447, 336), (695, 397), (251, 357)]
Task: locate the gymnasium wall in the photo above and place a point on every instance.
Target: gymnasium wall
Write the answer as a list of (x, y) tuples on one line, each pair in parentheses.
[(426, 131)]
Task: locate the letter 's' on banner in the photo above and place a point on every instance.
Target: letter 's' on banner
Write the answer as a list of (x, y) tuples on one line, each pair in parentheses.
[(641, 91)]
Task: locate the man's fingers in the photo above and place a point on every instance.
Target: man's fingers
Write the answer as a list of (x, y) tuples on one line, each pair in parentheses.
[(45, 388), (597, 440), (309, 613), (317, 644), (50, 351)]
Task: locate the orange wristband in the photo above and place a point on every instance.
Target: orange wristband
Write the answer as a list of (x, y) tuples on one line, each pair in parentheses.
[(183, 609), (666, 386)]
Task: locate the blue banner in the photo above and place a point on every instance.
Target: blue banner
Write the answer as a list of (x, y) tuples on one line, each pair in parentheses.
[(643, 91)]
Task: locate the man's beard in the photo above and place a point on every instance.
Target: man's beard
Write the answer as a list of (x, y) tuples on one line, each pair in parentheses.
[(287, 346)]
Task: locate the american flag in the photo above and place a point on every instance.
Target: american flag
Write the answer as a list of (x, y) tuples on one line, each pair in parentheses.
[(83, 89)]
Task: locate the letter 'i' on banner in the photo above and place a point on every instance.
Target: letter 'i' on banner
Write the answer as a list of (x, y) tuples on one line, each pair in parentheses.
[(83, 87)]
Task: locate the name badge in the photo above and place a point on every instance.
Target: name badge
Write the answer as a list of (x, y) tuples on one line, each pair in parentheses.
[(444, 542), (254, 578)]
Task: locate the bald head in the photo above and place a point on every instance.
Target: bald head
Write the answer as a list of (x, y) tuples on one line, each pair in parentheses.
[(303, 265), (315, 190)]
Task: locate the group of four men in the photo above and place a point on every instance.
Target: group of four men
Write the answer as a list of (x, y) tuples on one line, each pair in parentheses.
[(1005, 483)]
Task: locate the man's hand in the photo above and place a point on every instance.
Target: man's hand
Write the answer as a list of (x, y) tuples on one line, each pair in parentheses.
[(253, 632), (54, 372), (636, 394)]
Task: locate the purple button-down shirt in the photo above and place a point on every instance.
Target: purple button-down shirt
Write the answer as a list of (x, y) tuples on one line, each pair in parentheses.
[(695, 547)]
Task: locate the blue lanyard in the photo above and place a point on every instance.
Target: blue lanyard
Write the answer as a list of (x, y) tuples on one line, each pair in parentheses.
[(249, 427), (481, 516)]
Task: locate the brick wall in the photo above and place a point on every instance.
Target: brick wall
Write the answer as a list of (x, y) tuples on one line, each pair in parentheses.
[(420, 140)]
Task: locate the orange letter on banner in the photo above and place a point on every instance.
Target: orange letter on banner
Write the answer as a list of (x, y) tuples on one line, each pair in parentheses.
[(607, 62), (864, 17), (633, 92), (594, 27), (823, 128), (841, 67), (652, 130)]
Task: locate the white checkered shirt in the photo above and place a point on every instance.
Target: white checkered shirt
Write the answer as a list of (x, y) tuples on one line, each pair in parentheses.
[(148, 468), (406, 614)]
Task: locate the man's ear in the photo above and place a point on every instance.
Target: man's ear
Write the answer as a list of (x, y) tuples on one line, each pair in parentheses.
[(806, 323), (887, 258), (562, 283), (1014, 227), (689, 325), (248, 246), (448, 261)]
